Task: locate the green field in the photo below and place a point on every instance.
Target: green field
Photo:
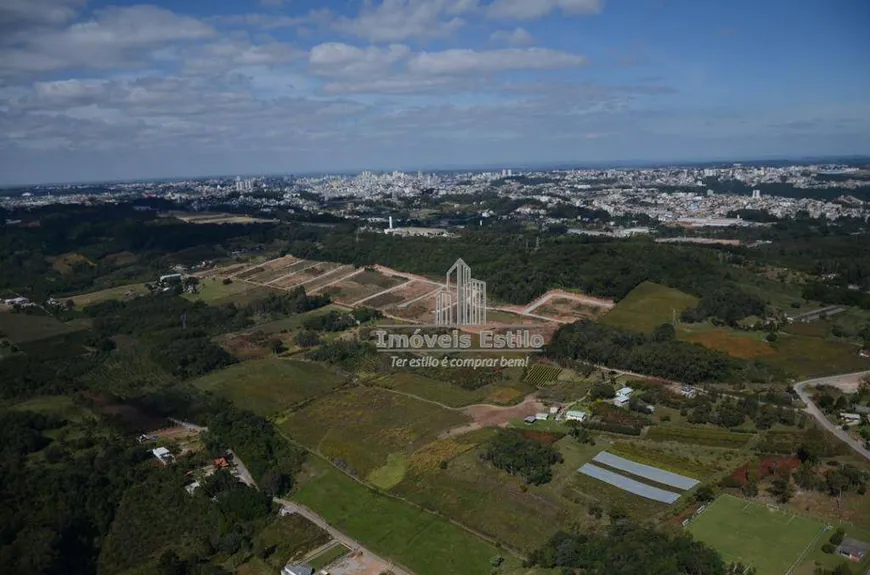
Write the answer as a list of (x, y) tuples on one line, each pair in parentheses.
[(292, 536), (364, 425), (23, 328), (268, 386), (492, 501), (213, 289), (118, 292), (128, 372), (62, 406), (648, 306), (328, 557), (540, 374), (502, 392), (806, 357), (294, 321), (393, 529), (770, 541)]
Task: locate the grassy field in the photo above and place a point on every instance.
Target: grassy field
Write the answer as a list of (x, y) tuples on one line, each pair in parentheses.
[(503, 392), (22, 328), (328, 557), (363, 426), (293, 537), (213, 290), (648, 306), (818, 558), (743, 344), (393, 529), (294, 322), (806, 357), (268, 386), (751, 533), (62, 406), (492, 501), (712, 436), (118, 292)]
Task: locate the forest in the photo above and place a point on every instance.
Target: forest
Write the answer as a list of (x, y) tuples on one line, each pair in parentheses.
[(528, 458), (587, 341)]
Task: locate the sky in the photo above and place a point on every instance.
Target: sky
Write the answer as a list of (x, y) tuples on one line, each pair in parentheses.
[(97, 91)]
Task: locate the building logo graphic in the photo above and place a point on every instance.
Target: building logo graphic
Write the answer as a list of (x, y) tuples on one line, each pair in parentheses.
[(462, 300)]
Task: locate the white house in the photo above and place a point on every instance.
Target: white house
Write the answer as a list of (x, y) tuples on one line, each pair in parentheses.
[(620, 401), (576, 415), (162, 454), (542, 416), (626, 391)]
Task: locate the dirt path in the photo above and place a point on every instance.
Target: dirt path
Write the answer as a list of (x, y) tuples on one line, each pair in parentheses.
[(581, 298), (849, 383)]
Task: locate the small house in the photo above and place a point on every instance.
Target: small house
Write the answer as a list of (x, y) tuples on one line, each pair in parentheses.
[(163, 455), (625, 391), (191, 487), (853, 550), (221, 463), (542, 416), (297, 569), (530, 419), (620, 401), (554, 410), (576, 415)]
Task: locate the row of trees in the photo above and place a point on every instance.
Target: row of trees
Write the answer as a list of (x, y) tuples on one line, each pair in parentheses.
[(528, 458)]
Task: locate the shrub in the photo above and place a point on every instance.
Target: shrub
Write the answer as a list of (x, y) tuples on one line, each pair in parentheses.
[(837, 537), (828, 548)]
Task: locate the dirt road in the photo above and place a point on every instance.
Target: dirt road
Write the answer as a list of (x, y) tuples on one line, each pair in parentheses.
[(365, 559), (847, 382)]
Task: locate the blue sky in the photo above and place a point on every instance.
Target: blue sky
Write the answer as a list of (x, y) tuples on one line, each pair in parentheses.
[(121, 90)]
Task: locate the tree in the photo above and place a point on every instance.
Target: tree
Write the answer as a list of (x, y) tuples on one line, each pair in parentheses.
[(171, 564), (781, 488), (664, 332), (705, 494), (276, 345), (307, 338)]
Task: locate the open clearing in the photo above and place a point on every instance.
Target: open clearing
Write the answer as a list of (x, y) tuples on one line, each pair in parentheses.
[(503, 392), (268, 386), (746, 345), (293, 537), (22, 327), (119, 292), (364, 284), (391, 528), (771, 541), (648, 306), (363, 426), (219, 218), (214, 291), (807, 357)]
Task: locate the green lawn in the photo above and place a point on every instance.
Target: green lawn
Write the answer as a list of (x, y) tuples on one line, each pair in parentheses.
[(59, 405), (268, 386), (23, 328), (294, 321), (806, 357), (740, 530), (364, 425), (424, 543), (648, 306)]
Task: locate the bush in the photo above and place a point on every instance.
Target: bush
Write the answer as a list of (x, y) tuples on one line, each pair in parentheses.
[(828, 548), (837, 537), (227, 281)]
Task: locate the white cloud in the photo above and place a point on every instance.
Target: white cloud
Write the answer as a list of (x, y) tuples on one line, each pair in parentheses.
[(17, 13), (114, 37), (398, 20), (468, 61), (515, 37), (532, 9), (337, 59)]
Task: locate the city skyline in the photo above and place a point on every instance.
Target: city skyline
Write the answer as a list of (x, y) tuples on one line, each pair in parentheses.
[(98, 91)]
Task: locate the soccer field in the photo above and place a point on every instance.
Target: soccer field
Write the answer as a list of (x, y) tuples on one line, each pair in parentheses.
[(771, 541)]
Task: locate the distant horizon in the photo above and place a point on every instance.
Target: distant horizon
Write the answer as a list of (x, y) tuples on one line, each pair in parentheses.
[(847, 159)]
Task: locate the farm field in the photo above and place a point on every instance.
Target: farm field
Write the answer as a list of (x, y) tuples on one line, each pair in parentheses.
[(365, 284), (648, 306), (490, 500), (712, 437), (391, 528), (770, 541), (540, 374), (363, 426), (23, 328), (268, 386), (294, 322), (118, 292)]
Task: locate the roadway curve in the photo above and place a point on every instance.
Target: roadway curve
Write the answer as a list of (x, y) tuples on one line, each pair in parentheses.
[(847, 381)]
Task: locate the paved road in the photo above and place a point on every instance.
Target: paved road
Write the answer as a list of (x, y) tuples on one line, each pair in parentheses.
[(351, 544), (846, 380)]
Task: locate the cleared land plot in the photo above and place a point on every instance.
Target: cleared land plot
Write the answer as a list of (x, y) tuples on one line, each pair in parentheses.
[(119, 292), (268, 386), (328, 557), (329, 278), (22, 328), (562, 308), (771, 541), (363, 426), (628, 484), (451, 394), (646, 471), (391, 528), (414, 302), (363, 285), (215, 291), (293, 537), (648, 306), (813, 356), (746, 345), (307, 275), (62, 406), (541, 374)]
